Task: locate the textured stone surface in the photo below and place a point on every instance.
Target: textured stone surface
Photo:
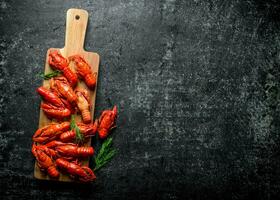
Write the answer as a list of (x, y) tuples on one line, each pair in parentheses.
[(196, 82)]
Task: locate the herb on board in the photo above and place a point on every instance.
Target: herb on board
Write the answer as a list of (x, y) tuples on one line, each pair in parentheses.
[(79, 137), (49, 75)]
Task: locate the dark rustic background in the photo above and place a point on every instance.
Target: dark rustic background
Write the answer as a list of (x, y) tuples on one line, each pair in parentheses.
[(197, 84)]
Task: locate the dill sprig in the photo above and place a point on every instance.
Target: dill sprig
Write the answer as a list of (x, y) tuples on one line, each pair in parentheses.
[(105, 154), (49, 75), (79, 137)]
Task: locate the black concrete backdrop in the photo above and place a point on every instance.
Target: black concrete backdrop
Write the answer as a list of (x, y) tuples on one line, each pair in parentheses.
[(196, 83)]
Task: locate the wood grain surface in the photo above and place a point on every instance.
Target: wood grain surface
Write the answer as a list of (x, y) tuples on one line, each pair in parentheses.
[(76, 24)]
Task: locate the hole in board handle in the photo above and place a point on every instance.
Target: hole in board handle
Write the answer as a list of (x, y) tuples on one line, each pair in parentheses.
[(77, 17)]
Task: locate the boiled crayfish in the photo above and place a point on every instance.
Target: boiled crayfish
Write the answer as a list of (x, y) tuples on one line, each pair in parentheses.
[(61, 86), (69, 150), (84, 70), (50, 132), (83, 173), (54, 107), (83, 103), (44, 160), (58, 62), (86, 130), (107, 122)]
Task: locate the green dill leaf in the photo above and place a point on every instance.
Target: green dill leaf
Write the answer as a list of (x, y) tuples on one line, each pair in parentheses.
[(72, 123), (78, 137), (105, 154), (105, 147), (49, 75)]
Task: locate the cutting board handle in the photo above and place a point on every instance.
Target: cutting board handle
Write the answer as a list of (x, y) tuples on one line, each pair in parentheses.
[(76, 25)]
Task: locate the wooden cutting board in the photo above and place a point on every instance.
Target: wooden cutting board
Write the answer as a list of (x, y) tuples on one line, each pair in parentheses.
[(76, 25)]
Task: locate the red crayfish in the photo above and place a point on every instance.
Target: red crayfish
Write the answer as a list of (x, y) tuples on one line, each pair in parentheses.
[(44, 160), (84, 70), (62, 87), (50, 132), (83, 173), (85, 129), (58, 62), (83, 103), (69, 150), (107, 122), (54, 107)]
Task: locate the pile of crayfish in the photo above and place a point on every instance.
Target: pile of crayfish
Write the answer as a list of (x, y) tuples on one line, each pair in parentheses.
[(55, 145)]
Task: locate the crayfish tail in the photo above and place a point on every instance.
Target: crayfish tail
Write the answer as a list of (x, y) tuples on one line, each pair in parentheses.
[(85, 151), (67, 136), (90, 80), (70, 76), (52, 171), (86, 116)]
